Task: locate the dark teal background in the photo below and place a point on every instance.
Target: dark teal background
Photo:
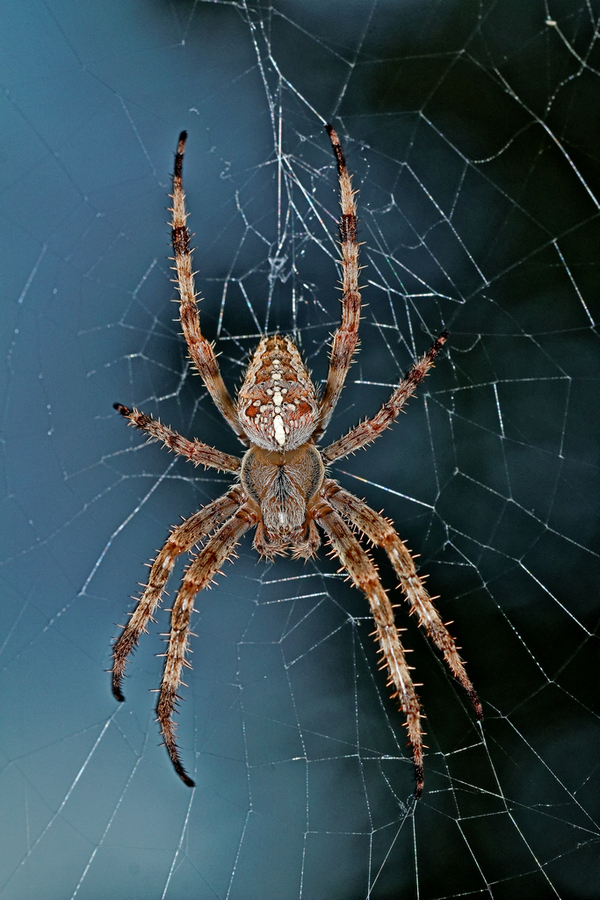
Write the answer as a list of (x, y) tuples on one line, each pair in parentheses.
[(472, 132)]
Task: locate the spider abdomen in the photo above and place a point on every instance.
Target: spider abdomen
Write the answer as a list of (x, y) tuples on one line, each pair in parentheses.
[(277, 403)]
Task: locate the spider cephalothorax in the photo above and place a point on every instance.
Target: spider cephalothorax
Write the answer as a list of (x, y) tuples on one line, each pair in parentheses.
[(282, 490)]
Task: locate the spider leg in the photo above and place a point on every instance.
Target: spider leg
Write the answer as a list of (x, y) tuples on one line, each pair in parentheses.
[(199, 574), (381, 532), (345, 338), (179, 541), (201, 350), (363, 572), (367, 431), (196, 451)]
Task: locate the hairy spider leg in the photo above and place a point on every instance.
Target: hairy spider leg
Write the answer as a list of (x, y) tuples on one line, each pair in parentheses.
[(201, 350), (196, 451), (198, 575), (181, 540), (363, 572), (381, 532), (366, 432), (345, 339)]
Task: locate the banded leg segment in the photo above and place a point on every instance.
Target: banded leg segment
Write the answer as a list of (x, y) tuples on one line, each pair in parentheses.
[(201, 350), (181, 540), (345, 338), (199, 575), (381, 532), (370, 429), (197, 451), (364, 574)]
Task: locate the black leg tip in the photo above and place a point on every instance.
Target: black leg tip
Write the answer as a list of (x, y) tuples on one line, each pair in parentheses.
[(183, 774), (118, 693), (419, 782)]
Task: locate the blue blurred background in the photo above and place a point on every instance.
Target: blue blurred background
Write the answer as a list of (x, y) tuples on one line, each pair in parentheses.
[(471, 131)]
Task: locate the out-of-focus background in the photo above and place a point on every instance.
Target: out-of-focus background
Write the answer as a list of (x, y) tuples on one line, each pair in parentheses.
[(471, 130)]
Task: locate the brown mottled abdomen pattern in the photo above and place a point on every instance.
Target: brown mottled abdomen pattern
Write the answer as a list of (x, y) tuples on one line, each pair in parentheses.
[(277, 403)]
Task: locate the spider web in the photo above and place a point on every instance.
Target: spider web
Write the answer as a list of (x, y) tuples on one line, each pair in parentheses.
[(471, 132)]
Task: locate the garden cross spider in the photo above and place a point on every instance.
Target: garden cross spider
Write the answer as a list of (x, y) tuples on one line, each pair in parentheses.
[(281, 489)]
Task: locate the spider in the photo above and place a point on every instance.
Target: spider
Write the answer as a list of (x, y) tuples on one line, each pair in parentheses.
[(282, 489)]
